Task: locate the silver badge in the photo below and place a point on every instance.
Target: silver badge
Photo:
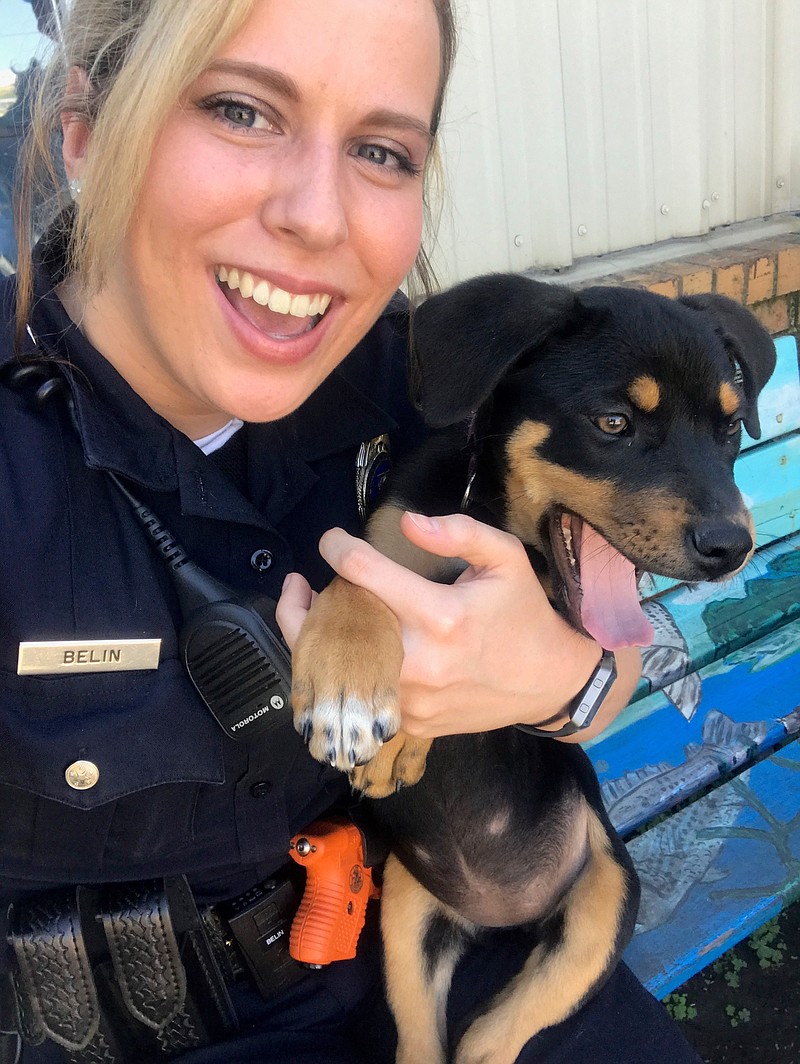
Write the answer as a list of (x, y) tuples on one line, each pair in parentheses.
[(372, 467)]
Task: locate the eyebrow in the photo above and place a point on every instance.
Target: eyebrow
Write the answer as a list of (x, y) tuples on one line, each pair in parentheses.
[(277, 81)]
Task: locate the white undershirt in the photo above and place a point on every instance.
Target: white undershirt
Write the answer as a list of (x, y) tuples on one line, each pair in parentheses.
[(215, 440)]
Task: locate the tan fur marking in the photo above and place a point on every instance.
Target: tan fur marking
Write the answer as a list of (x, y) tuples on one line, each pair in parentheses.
[(401, 760), (648, 526), (415, 999), (645, 392), (550, 984), (728, 399)]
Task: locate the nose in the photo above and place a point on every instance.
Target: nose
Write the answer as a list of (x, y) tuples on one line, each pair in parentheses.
[(718, 547), (306, 199)]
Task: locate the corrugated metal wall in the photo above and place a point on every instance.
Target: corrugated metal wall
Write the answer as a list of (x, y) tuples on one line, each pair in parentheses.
[(579, 127)]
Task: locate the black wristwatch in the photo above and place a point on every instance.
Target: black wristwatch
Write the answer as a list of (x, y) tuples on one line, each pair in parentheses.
[(584, 706)]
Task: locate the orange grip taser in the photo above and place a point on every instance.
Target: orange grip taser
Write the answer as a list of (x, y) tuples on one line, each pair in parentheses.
[(328, 923)]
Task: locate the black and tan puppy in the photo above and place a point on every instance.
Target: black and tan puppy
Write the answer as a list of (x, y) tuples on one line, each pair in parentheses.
[(601, 428)]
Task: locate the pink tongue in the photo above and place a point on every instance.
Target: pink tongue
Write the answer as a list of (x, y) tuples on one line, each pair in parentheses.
[(610, 609), (278, 326)]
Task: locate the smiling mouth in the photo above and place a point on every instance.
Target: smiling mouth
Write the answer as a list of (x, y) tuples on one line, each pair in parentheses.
[(599, 584), (276, 313)]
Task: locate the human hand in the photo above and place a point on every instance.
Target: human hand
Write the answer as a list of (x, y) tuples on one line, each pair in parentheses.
[(482, 653)]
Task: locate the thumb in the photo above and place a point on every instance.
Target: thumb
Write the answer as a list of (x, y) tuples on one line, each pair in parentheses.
[(293, 606), (458, 536)]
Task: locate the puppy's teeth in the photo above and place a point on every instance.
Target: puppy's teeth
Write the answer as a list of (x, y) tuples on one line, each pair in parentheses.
[(233, 278), (261, 293), (280, 301), (246, 284), (324, 303), (300, 306), (222, 273)]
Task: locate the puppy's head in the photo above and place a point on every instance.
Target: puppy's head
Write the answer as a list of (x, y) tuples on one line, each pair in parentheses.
[(611, 419)]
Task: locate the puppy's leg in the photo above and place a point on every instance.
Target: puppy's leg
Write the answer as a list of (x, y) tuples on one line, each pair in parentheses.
[(422, 945), (399, 763), (562, 970), (346, 667)]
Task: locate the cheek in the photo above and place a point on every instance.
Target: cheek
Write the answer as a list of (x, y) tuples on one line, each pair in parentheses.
[(389, 238)]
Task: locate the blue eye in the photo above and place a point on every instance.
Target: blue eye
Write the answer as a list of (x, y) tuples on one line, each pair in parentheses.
[(387, 159), (238, 114)]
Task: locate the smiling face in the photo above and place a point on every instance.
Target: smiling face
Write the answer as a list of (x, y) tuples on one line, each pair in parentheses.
[(281, 209)]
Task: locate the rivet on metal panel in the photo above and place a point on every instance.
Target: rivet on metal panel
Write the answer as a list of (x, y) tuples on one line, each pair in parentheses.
[(664, 208), (582, 230), (518, 241), (779, 418), (784, 460), (780, 183), (706, 205), (715, 196)]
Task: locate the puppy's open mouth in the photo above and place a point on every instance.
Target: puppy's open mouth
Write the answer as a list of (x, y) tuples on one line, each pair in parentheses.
[(600, 585)]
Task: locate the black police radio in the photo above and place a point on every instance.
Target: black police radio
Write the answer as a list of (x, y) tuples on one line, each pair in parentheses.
[(230, 642)]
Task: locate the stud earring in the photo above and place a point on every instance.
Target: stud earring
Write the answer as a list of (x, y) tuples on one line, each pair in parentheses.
[(75, 188)]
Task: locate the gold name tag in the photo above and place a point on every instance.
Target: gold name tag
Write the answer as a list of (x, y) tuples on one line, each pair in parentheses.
[(93, 655)]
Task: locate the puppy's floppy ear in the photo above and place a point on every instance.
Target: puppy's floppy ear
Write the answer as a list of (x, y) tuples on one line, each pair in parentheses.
[(748, 344), (466, 339)]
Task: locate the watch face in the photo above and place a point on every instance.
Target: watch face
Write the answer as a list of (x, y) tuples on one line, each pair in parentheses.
[(372, 467), (593, 695)]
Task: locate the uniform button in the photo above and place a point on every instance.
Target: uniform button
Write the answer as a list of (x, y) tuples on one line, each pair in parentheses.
[(261, 560), (82, 775), (261, 789)]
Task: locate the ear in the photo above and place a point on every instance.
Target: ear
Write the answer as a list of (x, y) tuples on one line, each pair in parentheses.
[(749, 345), (466, 339), (73, 125)]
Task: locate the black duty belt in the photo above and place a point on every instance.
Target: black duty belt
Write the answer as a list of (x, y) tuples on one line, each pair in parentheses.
[(136, 972)]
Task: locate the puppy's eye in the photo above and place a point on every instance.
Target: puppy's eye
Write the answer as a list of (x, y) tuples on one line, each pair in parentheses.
[(612, 424), (734, 425)]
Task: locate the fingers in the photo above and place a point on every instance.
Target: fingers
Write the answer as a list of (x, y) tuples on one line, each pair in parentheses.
[(460, 536), (293, 605), (405, 592)]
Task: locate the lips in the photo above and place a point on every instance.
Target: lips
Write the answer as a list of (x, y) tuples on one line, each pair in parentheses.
[(275, 312)]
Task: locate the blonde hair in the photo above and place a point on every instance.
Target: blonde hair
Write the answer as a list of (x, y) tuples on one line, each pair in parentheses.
[(139, 57)]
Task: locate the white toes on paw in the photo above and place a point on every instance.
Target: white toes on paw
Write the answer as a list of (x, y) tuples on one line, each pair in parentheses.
[(346, 732)]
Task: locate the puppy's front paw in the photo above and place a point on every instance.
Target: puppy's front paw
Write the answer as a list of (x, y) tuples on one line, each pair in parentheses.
[(400, 763), (345, 669)]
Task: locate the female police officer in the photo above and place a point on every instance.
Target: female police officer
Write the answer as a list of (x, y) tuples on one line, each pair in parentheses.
[(216, 309)]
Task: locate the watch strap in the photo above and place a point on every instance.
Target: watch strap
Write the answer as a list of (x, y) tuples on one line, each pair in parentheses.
[(584, 706)]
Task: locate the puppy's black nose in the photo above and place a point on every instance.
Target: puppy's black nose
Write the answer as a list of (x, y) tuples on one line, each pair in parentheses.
[(718, 547)]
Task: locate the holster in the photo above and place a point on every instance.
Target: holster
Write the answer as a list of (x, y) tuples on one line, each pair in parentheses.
[(122, 975)]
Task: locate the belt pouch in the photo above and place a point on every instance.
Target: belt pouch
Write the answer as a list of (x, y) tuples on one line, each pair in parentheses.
[(55, 939), (164, 967)]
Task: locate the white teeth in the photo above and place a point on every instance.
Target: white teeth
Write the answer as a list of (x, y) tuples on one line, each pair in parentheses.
[(246, 285), (265, 294), (280, 301), (261, 293), (299, 307)]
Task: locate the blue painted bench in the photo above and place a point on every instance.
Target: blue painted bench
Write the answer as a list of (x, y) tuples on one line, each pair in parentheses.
[(701, 773)]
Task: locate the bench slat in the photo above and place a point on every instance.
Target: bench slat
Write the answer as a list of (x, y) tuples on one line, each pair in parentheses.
[(716, 871), (650, 758)]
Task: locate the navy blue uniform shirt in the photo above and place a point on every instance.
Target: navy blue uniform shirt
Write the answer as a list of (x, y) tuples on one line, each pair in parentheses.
[(174, 794)]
